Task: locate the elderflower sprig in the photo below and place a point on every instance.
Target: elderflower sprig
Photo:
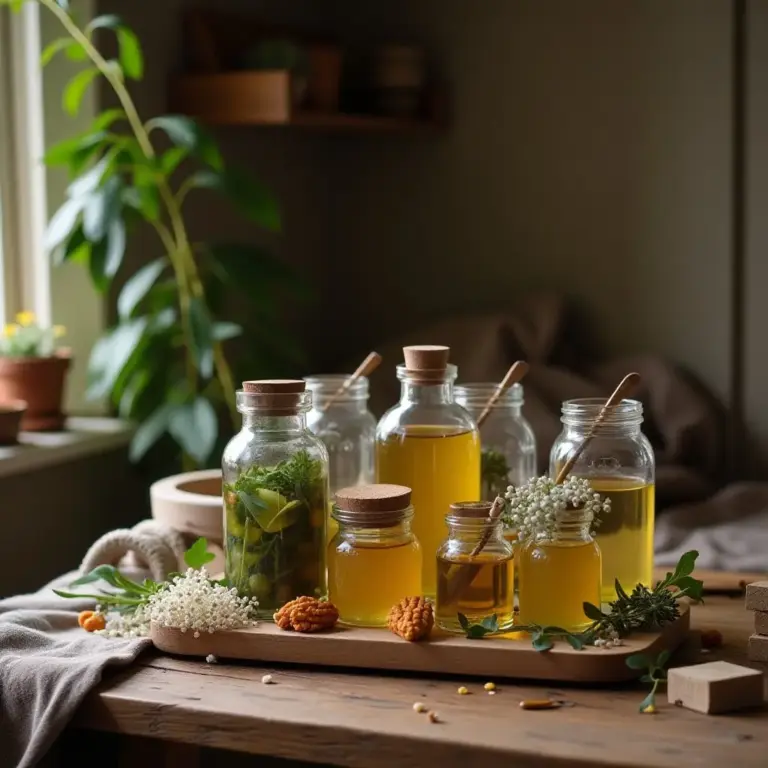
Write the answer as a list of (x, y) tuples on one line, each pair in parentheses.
[(533, 509)]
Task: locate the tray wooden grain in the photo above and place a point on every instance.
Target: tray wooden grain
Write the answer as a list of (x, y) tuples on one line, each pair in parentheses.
[(379, 649)]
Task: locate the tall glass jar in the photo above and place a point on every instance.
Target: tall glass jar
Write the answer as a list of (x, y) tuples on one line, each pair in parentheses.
[(347, 428), (508, 455), (430, 444), (558, 572), (275, 486), (619, 463), (374, 560)]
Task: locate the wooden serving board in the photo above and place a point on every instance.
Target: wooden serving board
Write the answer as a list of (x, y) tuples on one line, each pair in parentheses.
[(379, 649)]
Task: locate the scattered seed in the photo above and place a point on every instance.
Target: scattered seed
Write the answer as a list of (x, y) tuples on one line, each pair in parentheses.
[(490, 687), (539, 704), (433, 717), (267, 679), (211, 659), (419, 707), (462, 691)]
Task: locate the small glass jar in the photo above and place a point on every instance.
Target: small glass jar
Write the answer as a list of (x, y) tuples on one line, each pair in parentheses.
[(374, 560), (619, 463), (475, 569), (508, 452), (431, 444), (346, 426), (275, 486), (558, 572)]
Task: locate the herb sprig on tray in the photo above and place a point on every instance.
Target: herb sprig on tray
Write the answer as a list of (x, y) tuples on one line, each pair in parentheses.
[(655, 673)]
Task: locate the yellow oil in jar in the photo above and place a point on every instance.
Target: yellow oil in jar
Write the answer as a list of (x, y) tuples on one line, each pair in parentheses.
[(441, 467), (488, 588), (625, 534), (365, 579), (554, 581)]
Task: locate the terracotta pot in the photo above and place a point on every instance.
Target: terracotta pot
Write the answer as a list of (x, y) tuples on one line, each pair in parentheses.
[(38, 381), (10, 421), (190, 503)]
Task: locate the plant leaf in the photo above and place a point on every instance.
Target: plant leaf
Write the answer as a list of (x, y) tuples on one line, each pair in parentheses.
[(225, 331), (491, 623), (106, 118), (195, 428), (111, 353), (694, 588), (75, 90), (63, 223), (131, 57), (646, 678), (150, 431), (476, 631), (100, 573), (662, 659), (77, 151), (198, 555), (686, 564), (88, 181), (638, 661), (620, 593), (170, 160), (185, 132), (542, 642), (137, 287), (202, 340), (593, 612), (647, 701), (463, 621), (75, 246), (53, 48), (574, 641), (102, 206)]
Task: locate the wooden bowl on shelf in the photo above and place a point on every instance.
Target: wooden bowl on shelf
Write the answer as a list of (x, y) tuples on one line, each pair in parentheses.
[(11, 413), (190, 503)]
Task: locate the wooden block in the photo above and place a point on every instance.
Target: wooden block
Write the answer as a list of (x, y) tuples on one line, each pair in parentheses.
[(761, 622), (757, 596), (757, 648), (718, 686)]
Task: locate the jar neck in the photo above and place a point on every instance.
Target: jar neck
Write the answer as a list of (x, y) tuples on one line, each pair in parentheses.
[(354, 399), (259, 422), (472, 531), (475, 397), (366, 533), (622, 420), (571, 525)]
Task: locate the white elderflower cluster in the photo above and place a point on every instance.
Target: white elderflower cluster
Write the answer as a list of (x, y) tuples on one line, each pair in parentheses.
[(134, 624), (532, 509), (192, 602)]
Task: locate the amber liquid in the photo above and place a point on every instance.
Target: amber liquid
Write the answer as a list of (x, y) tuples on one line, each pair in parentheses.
[(440, 468), (486, 588), (365, 579), (625, 534), (555, 580)]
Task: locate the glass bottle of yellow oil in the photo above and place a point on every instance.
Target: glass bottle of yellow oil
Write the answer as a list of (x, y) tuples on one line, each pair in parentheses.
[(472, 580), (430, 444), (619, 463), (374, 560), (558, 572)]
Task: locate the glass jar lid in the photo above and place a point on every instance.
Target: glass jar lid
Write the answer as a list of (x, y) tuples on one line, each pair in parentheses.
[(378, 505), (426, 364), (274, 397)]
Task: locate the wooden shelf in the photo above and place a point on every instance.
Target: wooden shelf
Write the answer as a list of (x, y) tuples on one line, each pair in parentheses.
[(264, 99)]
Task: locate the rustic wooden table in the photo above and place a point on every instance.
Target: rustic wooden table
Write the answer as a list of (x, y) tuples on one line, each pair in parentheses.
[(367, 720)]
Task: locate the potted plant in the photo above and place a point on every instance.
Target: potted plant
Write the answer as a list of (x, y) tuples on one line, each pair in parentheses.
[(33, 370)]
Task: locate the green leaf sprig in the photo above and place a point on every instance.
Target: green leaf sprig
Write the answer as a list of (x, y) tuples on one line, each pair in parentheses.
[(494, 473), (542, 637), (487, 626), (655, 674)]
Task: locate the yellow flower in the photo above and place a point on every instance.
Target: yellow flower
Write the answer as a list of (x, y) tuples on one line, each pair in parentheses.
[(59, 331), (25, 318), (10, 330)]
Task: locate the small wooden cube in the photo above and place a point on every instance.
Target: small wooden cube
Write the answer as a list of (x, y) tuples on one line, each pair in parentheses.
[(757, 596), (761, 622), (757, 648), (718, 686)]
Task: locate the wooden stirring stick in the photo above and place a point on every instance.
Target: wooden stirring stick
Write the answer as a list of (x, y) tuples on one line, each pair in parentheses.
[(368, 366), (514, 374), (626, 387)]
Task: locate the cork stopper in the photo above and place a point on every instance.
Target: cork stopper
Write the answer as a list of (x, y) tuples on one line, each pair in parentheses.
[(476, 510), (426, 362), (276, 397), (376, 505)]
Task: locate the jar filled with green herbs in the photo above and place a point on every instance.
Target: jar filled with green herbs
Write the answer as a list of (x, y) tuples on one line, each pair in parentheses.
[(275, 486)]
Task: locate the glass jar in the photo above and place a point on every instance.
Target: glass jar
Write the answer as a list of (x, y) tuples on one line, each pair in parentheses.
[(619, 463), (508, 452), (558, 572), (475, 569), (275, 486), (374, 560), (347, 428), (430, 444)]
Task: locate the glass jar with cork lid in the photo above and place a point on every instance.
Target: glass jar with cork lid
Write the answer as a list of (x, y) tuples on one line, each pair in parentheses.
[(275, 487), (430, 444), (374, 560)]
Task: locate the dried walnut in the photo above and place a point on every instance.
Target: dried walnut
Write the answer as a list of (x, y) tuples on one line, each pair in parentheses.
[(307, 614), (411, 618)]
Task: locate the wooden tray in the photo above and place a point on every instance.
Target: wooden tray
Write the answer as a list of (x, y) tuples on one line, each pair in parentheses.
[(379, 649)]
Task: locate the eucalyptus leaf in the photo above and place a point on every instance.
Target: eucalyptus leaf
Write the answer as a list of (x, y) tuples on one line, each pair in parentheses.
[(76, 88), (150, 431), (202, 339), (185, 132), (138, 286), (195, 427)]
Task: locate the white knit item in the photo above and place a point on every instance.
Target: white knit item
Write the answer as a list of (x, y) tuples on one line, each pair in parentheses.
[(176, 540)]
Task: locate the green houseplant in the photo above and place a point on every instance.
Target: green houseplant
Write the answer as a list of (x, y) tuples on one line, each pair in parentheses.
[(163, 364)]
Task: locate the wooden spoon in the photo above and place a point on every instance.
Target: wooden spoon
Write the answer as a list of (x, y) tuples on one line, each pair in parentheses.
[(368, 366), (515, 374)]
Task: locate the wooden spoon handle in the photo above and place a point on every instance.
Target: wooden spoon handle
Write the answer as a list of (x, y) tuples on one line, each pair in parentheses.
[(514, 374), (368, 366), (626, 387)]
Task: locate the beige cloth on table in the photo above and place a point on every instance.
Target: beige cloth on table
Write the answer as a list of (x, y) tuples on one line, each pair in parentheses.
[(683, 422)]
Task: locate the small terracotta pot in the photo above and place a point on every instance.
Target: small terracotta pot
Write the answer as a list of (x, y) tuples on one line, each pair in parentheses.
[(38, 381), (10, 421)]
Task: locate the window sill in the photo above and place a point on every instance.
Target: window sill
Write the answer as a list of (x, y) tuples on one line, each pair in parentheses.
[(85, 436)]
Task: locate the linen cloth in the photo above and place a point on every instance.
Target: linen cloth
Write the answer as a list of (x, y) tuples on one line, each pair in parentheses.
[(48, 665)]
